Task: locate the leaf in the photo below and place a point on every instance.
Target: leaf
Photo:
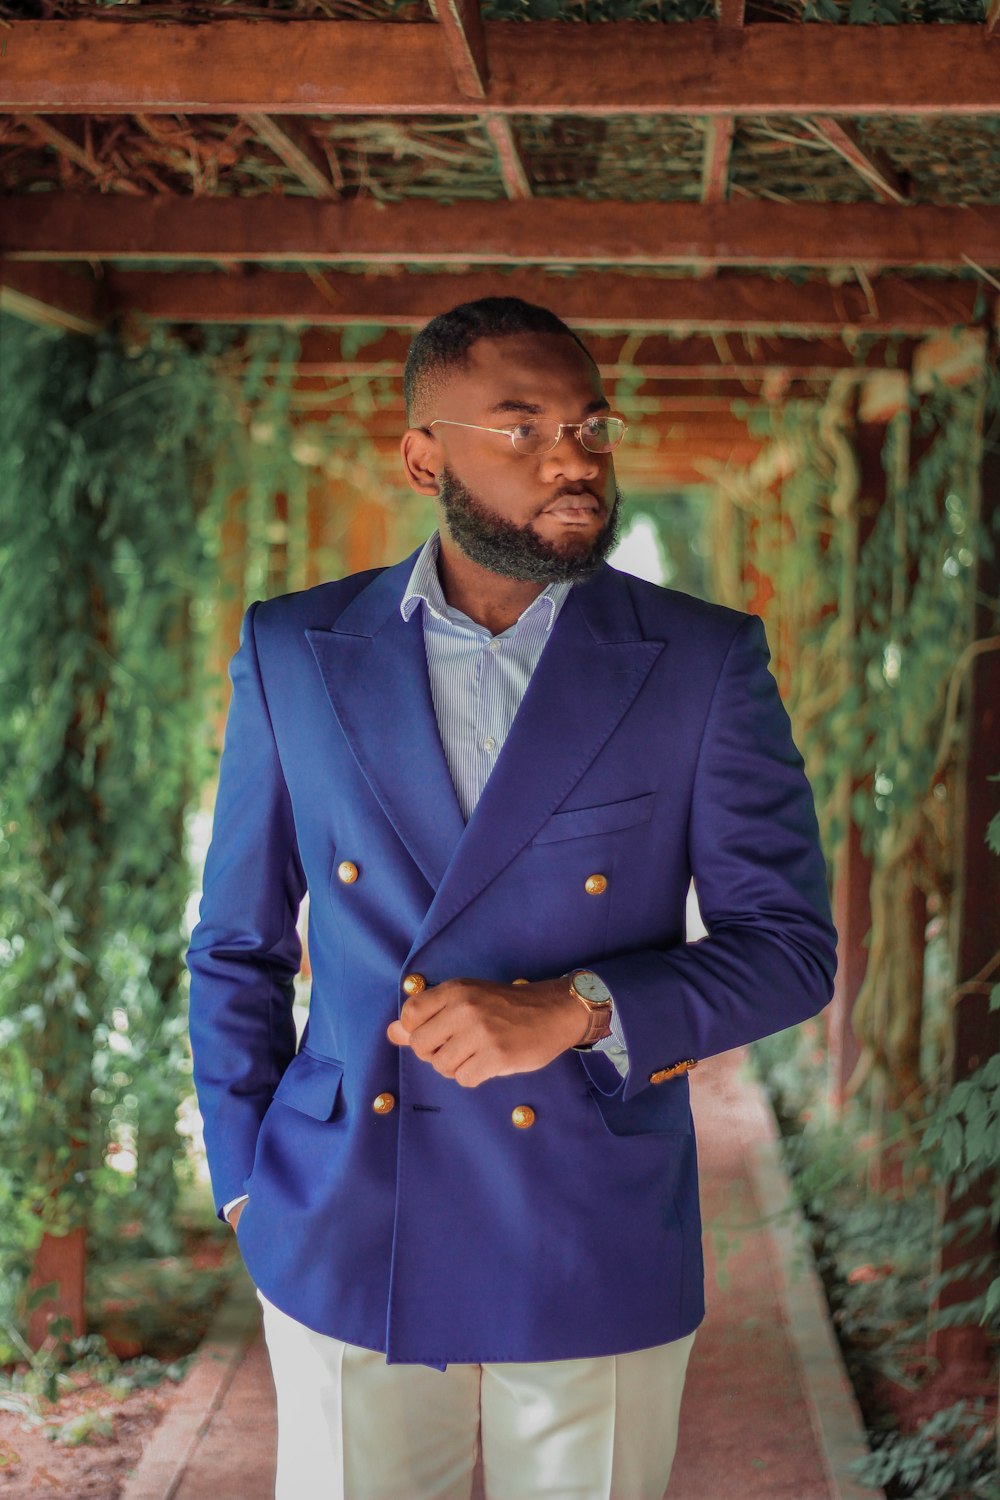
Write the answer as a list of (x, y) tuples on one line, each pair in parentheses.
[(991, 1308), (47, 1293)]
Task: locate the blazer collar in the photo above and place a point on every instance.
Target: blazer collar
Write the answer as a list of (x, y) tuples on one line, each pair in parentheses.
[(374, 666)]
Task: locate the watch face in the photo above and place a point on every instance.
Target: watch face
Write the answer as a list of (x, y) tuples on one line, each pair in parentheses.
[(591, 987)]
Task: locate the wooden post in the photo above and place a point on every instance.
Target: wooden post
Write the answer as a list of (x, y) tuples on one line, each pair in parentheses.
[(852, 884), (60, 1259)]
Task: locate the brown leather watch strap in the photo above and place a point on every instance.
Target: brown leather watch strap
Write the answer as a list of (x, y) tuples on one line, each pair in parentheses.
[(598, 1027), (598, 1011)]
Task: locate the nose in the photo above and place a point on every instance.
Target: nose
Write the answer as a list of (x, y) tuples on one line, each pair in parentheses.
[(569, 459)]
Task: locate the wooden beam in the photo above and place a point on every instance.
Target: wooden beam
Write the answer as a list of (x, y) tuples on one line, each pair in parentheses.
[(715, 162), (750, 233), (605, 301), (874, 166), (543, 67), (461, 24), (719, 129), (293, 145), (60, 297), (50, 135), (653, 357), (513, 168)]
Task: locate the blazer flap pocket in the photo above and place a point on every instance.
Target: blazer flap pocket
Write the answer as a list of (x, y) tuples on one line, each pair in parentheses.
[(663, 1109), (576, 822), (311, 1084)]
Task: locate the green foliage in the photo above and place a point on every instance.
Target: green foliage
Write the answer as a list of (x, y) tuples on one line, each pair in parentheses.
[(878, 641), (964, 1132), (103, 544), (949, 1458), (114, 468), (66, 1365)]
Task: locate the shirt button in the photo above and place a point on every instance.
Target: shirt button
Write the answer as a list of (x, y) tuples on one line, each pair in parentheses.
[(595, 885), (489, 743), (494, 646), (384, 1104)]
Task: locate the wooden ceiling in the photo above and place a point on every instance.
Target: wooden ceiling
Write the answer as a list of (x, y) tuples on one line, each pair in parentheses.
[(739, 204)]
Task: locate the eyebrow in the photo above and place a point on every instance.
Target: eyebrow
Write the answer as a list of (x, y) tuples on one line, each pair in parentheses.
[(531, 409)]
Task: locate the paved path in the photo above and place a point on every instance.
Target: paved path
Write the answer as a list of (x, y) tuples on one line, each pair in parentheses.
[(767, 1412)]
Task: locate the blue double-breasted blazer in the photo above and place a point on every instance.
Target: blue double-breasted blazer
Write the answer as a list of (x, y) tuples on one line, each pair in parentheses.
[(651, 746)]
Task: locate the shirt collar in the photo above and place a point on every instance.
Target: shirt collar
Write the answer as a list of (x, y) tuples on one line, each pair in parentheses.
[(426, 585)]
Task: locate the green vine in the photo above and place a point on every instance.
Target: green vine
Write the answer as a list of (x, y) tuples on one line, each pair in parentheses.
[(118, 470), (875, 637)]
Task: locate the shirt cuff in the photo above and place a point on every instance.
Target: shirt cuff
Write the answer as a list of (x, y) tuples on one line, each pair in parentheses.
[(227, 1207), (613, 1046)]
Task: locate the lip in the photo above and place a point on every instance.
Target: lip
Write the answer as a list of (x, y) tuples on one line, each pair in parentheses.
[(574, 515), (577, 509)]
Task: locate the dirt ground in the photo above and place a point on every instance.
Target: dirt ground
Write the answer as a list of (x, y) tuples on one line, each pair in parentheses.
[(33, 1466)]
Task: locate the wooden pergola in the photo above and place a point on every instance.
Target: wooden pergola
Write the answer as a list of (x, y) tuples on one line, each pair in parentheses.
[(794, 203)]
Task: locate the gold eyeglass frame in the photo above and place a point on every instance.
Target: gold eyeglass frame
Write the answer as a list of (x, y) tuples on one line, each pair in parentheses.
[(561, 427)]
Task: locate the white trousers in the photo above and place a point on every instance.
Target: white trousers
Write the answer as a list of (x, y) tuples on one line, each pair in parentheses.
[(351, 1427)]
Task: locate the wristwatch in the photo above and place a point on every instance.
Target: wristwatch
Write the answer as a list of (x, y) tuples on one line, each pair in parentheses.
[(595, 997)]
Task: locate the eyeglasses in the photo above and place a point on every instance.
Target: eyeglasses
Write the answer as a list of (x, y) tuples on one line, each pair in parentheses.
[(596, 434)]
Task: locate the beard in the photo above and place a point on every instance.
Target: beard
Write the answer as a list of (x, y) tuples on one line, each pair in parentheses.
[(519, 552)]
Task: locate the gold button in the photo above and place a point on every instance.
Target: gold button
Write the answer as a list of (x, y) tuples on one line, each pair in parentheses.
[(384, 1104), (523, 1115), (594, 885), (520, 981), (413, 984), (347, 871), (662, 1074)]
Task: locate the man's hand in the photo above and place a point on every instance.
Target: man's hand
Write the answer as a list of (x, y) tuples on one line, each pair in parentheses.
[(470, 1030)]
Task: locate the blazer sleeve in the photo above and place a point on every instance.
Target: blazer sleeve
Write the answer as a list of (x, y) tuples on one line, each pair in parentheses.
[(771, 954), (245, 951)]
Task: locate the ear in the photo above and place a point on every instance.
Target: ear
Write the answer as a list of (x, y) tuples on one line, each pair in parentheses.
[(422, 460)]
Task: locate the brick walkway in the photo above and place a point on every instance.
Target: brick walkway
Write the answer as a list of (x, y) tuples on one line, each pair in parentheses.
[(767, 1414)]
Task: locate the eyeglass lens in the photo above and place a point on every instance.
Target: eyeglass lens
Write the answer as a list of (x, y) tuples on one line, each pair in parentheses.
[(597, 434)]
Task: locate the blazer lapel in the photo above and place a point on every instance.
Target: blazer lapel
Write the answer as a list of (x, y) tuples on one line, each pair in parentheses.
[(374, 668), (590, 671)]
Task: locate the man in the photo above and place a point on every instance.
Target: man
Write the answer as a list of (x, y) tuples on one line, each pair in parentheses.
[(469, 1199)]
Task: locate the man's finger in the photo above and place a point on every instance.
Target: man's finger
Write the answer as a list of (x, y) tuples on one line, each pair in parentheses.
[(453, 1055), (471, 1073), (419, 1008), (397, 1032)]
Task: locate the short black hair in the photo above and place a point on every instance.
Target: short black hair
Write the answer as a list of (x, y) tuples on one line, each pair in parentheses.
[(444, 343)]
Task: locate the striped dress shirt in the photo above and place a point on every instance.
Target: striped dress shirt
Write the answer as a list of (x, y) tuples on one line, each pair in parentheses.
[(477, 682)]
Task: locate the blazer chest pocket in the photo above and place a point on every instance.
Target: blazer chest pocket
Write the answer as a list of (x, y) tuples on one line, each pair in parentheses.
[(610, 817), (661, 1110), (312, 1085)]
